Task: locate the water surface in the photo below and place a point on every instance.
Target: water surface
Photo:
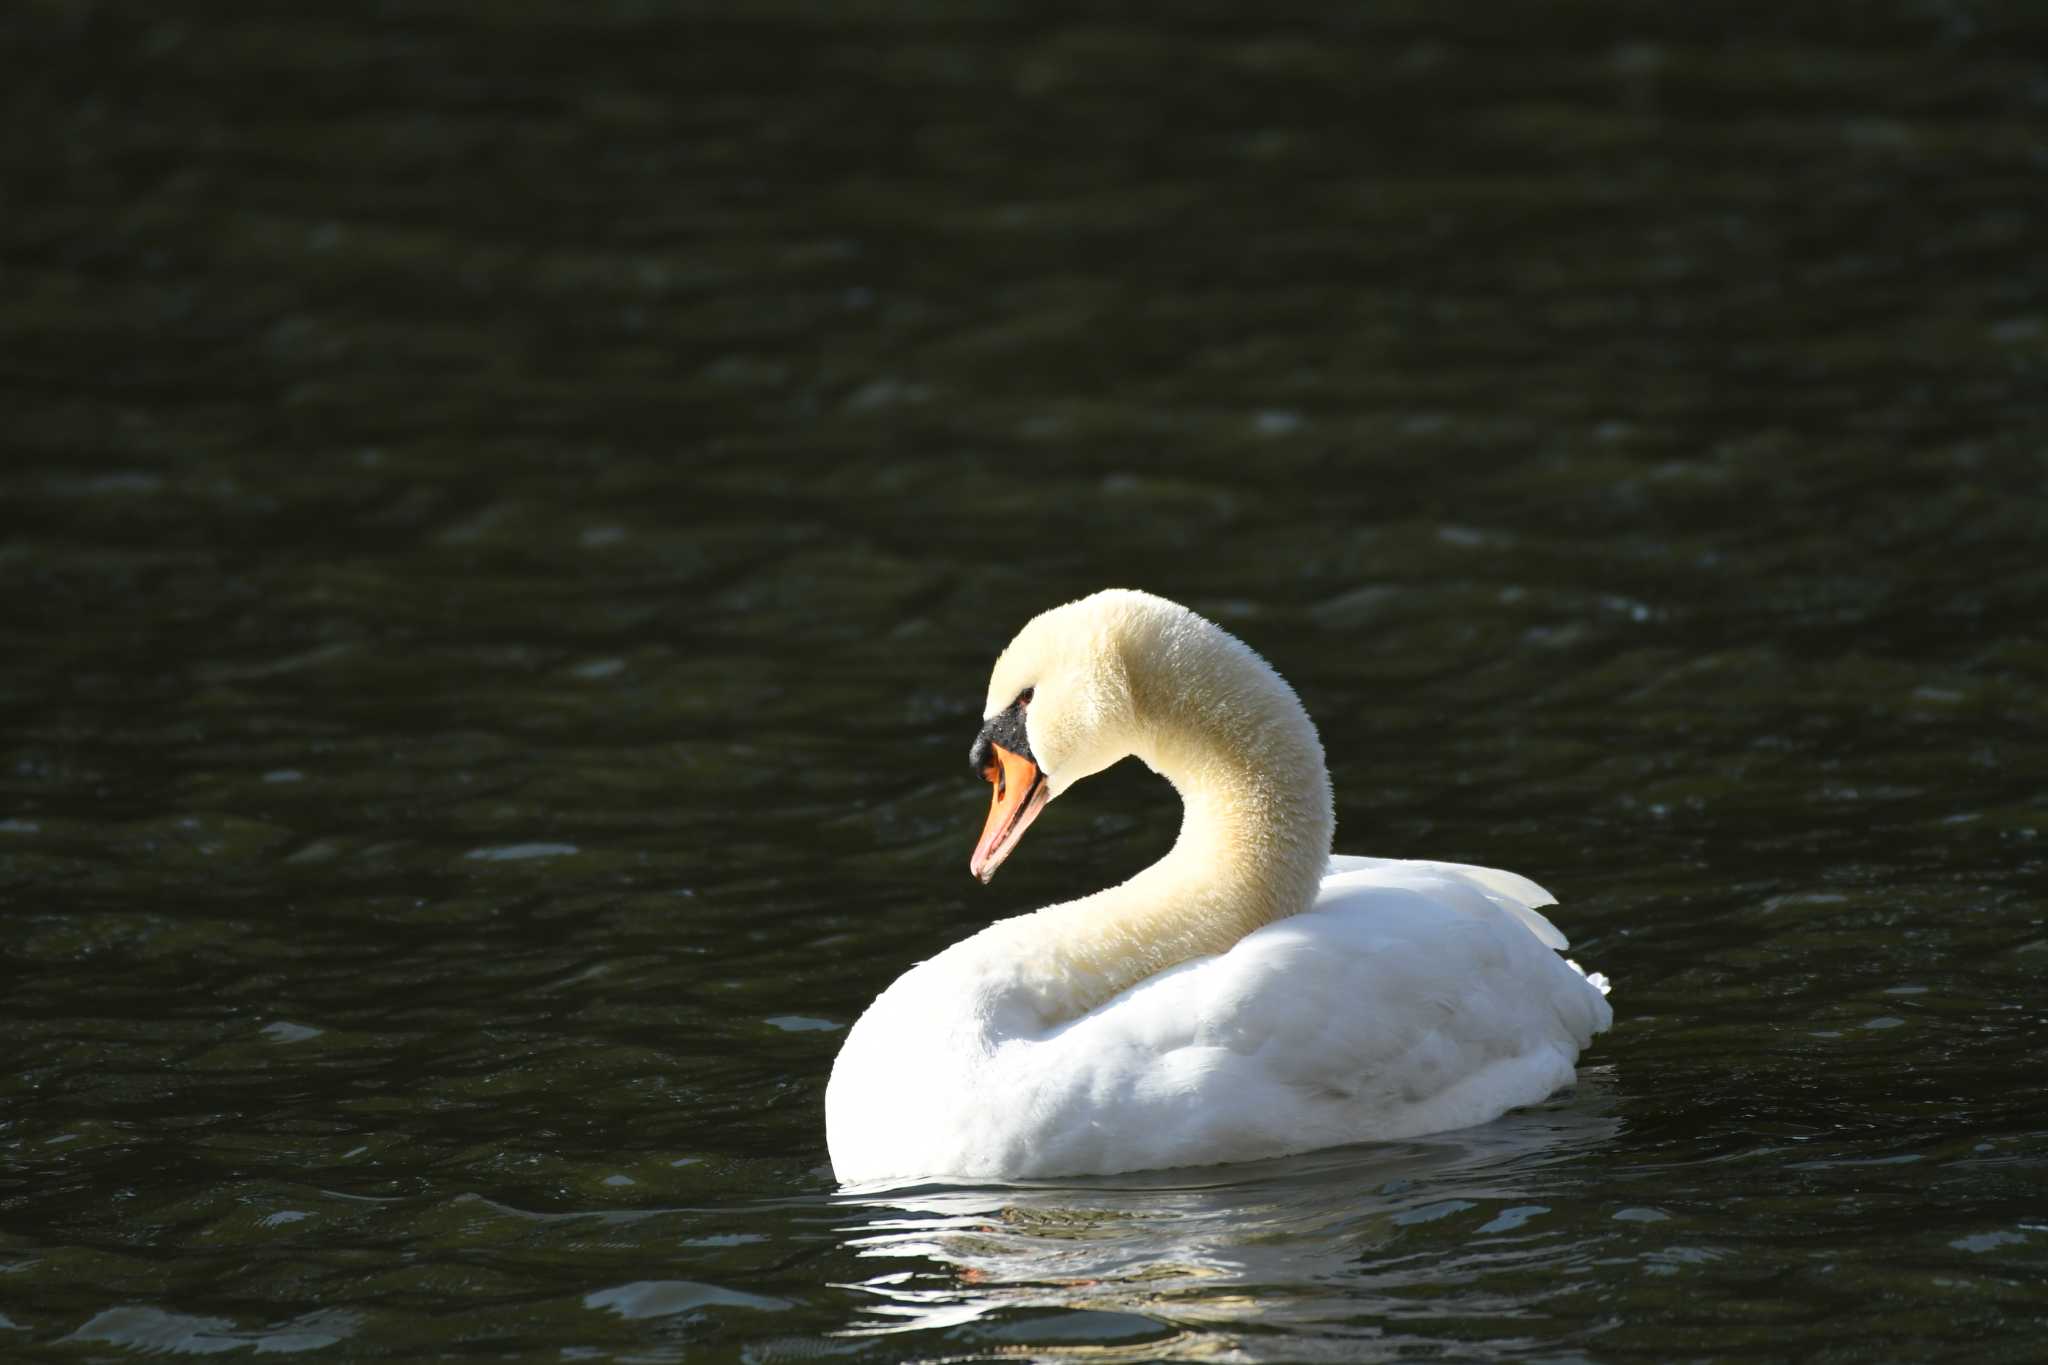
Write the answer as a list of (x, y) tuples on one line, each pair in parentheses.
[(507, 511)]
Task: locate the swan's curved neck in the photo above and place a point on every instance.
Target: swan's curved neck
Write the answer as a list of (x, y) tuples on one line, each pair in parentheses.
[(1254, 841)]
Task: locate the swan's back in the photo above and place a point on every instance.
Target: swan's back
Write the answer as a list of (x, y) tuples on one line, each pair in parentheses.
[(1411, 998)]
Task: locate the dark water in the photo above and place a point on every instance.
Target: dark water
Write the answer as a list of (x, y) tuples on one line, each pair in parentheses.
[(508, 510)]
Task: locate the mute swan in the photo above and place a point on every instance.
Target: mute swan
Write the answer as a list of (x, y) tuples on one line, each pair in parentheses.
[(1248, 995)]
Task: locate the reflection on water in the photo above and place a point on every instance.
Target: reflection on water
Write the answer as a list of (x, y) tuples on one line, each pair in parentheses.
[(1328, 1246), (152, 1331)]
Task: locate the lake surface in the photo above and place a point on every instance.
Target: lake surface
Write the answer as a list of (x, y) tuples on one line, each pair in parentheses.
[(507, 511)]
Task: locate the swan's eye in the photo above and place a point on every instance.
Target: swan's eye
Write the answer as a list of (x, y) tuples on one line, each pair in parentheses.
[(1006, 728)]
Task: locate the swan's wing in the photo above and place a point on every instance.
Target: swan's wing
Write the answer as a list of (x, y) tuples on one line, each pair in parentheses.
[(1511, 891), (1404, 1003)]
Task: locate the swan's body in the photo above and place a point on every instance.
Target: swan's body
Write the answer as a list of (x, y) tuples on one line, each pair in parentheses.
[(1246, 996)]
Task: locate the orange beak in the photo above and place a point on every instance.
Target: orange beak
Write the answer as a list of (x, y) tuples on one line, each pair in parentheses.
[(1020, 793)]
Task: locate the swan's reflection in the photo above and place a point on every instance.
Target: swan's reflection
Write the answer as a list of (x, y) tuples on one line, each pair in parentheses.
[(1307, 1242)]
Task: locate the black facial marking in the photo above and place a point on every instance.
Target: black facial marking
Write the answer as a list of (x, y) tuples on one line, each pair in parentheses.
[(1005, 727)]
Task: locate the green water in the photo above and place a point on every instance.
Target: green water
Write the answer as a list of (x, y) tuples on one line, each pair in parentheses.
[(506, 512)]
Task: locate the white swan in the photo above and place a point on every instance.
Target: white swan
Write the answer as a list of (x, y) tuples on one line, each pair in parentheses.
[(1246, 996)]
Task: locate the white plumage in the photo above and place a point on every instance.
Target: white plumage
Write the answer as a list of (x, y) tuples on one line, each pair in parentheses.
[(1222, 1005)]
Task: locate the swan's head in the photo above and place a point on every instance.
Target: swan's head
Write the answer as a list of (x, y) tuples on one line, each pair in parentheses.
[(1061, 705)]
